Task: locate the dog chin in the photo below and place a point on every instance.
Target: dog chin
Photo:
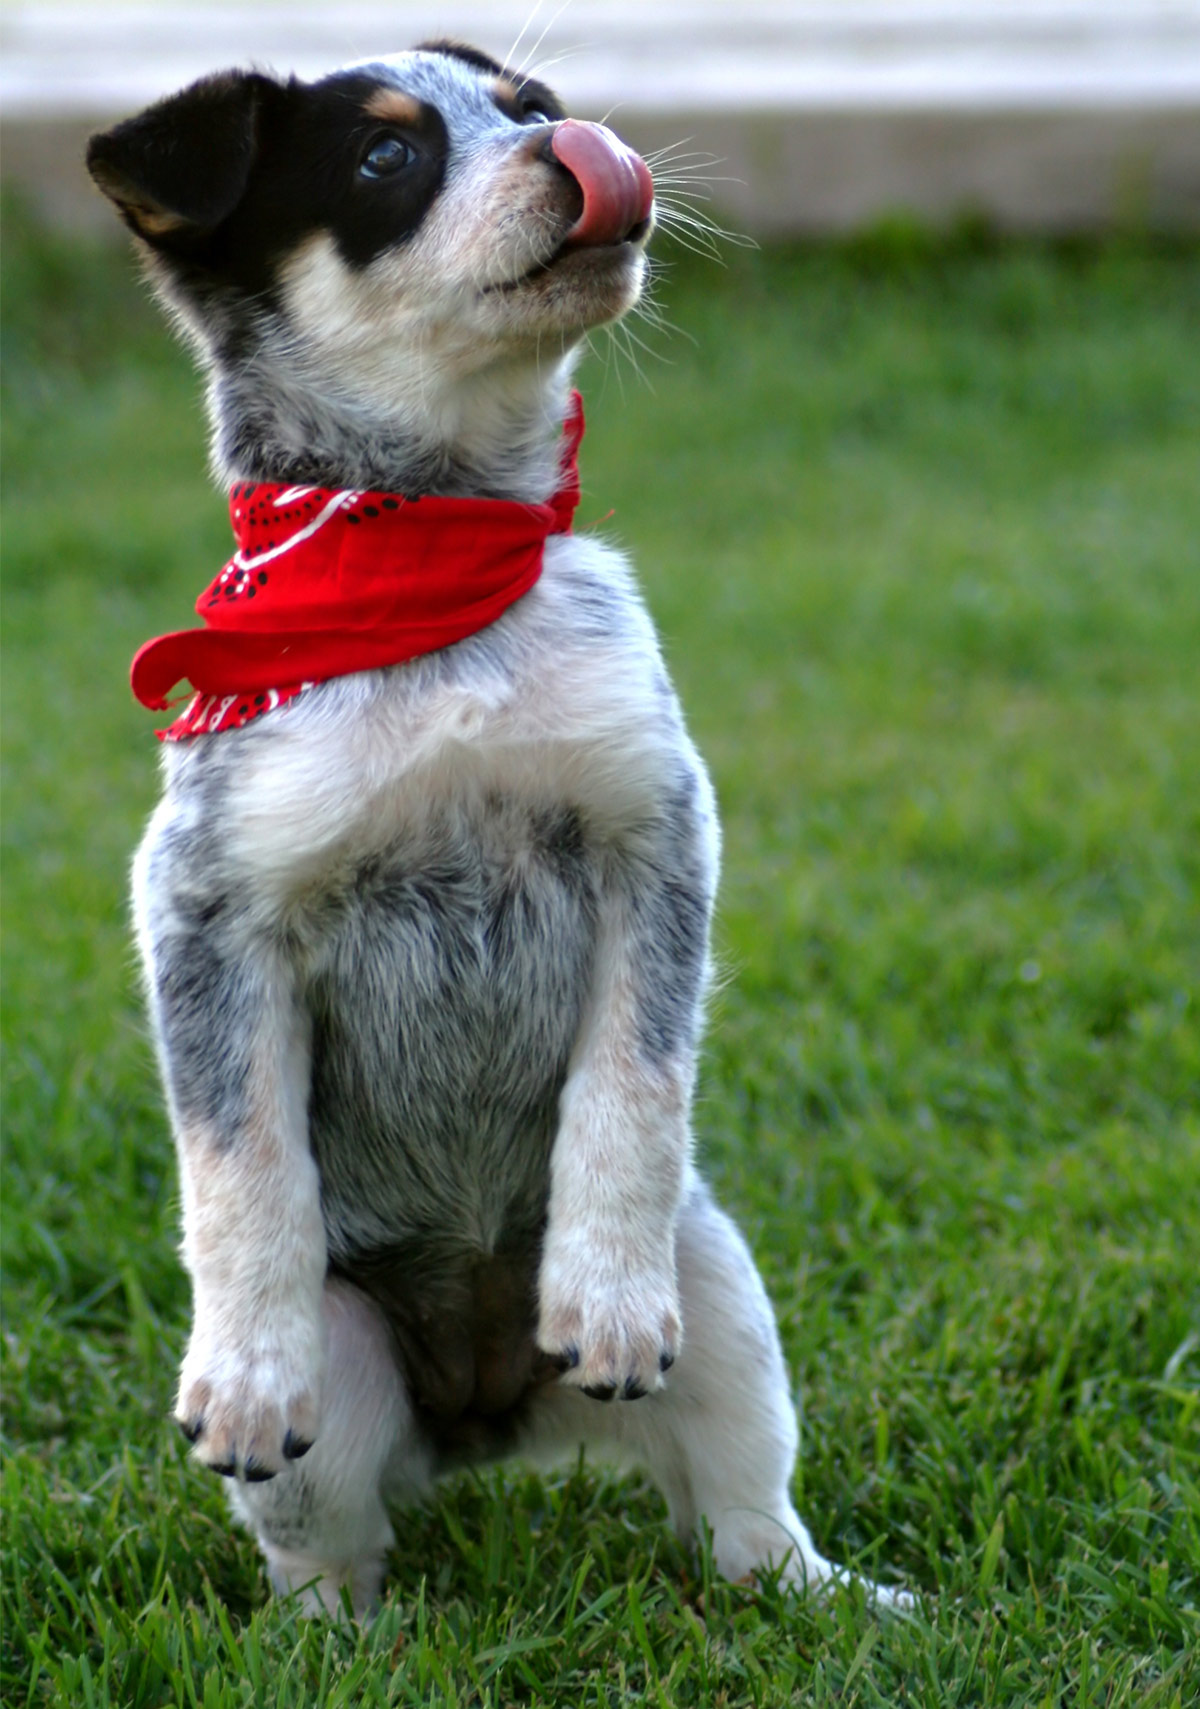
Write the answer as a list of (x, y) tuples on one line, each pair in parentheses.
[(577, 289)]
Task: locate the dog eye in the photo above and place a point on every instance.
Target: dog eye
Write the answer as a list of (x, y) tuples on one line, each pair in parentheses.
[(387, 154), (535, 116)]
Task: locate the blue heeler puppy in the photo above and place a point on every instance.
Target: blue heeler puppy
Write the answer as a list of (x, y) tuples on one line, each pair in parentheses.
[(426, 946)]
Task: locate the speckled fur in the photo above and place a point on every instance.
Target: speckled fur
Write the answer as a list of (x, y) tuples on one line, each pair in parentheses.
[(426, 950)]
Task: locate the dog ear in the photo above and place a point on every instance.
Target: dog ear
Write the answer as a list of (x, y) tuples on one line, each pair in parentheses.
[(181, 167)]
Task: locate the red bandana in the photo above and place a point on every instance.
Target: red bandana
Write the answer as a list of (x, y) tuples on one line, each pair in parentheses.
[(324, 583)]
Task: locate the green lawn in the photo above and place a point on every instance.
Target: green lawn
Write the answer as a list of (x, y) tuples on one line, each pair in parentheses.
[(921, 526)]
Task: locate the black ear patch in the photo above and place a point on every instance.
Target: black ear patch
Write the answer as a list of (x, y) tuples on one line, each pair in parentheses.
[(181, 167), (471, 56)]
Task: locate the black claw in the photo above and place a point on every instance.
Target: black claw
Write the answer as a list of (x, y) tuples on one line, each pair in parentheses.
[(294, 1447), (633, 1390), (665, 1361), (190, 1429), (256, 1474), (226, 1469), (600, 1391), (566, 1360)]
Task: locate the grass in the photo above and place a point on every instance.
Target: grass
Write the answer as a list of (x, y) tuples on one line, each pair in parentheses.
[(920, 523)]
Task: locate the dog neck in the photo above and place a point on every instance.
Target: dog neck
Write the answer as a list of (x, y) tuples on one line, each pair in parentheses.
[(493, 434)]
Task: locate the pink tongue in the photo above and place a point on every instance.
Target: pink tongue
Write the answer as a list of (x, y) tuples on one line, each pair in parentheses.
[(618, 191)]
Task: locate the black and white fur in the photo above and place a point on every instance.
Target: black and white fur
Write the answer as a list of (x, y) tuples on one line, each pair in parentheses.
[(426, 950)]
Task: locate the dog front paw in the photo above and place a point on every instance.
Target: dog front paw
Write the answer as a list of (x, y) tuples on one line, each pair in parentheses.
[(613, 1337), (250, 1407)]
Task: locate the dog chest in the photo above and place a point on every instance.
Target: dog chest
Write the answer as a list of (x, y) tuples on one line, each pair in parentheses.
[(445, 1003)]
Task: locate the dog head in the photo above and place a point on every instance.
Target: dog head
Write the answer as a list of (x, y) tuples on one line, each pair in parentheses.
[(400, 224)]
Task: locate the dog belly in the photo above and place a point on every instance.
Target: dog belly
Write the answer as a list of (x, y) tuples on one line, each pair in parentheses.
[(446, 1006)]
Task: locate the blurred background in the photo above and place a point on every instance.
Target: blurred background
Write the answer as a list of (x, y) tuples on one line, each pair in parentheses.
[(1036, 114), (913, 488)]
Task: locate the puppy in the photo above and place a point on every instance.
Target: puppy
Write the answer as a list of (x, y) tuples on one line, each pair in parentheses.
[(425, 907)]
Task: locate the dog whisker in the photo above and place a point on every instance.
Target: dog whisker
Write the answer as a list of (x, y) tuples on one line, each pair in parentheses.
[(540, 67), (508, 58), (547, 27)]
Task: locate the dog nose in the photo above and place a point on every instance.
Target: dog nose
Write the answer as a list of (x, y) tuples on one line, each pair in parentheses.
[(615, 182)]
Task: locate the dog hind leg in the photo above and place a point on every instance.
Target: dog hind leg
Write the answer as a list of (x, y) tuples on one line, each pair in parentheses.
[(323, 1523), (720, 1439)]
